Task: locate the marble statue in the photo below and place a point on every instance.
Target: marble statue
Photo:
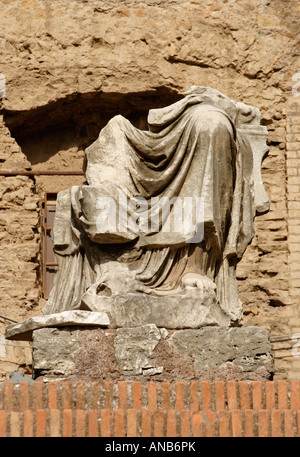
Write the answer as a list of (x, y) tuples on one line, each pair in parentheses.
[(155, 232)]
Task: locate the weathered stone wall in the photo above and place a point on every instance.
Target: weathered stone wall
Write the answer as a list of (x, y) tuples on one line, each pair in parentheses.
[(70, 65), (19, 249)]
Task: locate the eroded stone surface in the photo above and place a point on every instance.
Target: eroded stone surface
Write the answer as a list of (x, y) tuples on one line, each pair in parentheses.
[(55, 351), (96, 354), (212, 347), (134, 349), (183, 311)]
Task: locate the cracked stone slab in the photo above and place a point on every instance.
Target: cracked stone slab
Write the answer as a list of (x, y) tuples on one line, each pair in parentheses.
[(212, 347), (134, 349), (23, 330), (55, 351), (170, 311)]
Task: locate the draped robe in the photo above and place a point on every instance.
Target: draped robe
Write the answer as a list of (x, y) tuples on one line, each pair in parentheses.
[(191, 150)]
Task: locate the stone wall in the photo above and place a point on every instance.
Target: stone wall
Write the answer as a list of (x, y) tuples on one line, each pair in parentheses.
[(19, 250), (71, 65)]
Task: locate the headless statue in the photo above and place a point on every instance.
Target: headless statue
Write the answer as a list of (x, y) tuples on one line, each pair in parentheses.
[(164, 215)]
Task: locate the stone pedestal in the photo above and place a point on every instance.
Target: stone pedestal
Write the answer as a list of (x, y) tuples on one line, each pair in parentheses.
[(85, 345), (147, 352)]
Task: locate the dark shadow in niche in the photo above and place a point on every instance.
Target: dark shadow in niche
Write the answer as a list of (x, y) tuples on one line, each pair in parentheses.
[(76, 120)]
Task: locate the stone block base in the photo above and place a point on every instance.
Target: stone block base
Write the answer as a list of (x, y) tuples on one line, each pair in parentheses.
[(148, 352)]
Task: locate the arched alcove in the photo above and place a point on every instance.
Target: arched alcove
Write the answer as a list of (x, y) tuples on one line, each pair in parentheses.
[(54, 136)]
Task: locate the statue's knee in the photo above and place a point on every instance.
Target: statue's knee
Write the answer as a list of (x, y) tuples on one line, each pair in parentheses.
[(212, 121)]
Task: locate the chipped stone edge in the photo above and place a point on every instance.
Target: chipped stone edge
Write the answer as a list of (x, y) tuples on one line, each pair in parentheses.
[(23, 331)]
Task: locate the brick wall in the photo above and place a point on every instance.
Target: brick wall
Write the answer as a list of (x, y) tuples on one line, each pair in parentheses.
[(293, 221), (293, 197), (150, 409), (19, 249)]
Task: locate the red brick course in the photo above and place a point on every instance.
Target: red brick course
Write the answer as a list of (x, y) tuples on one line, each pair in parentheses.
[(151, 409)]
